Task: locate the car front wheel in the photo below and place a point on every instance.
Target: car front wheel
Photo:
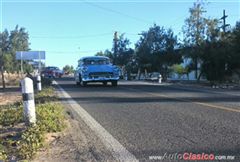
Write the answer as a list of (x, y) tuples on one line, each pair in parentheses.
[(114, 83), (79, 81), (84, 83), (105, 83)]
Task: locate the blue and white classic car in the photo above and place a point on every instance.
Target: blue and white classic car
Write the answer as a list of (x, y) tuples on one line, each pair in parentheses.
[(96, 69)]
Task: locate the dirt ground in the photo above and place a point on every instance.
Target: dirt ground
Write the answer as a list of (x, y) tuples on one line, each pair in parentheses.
[(10, 95), (12, 92), (76, 143)]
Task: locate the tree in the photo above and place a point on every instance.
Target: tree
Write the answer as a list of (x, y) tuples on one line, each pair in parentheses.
[(194, 32), (123, 53), (4, 47), (68, 69), (106, 53), (17, 40), (235, 63), (156, 50), (221, 57), (232, 50), (212, 30), (180, 70), (214, 61), (100, 53)]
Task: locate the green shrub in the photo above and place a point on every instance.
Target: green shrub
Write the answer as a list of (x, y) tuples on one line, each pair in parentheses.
[(10, 115), (46, 95), (3, 155), (50, 117), (46, 82), (31, 140), (48, 91)]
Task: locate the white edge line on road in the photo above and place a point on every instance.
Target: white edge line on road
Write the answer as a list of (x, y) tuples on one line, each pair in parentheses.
[(119, 152)]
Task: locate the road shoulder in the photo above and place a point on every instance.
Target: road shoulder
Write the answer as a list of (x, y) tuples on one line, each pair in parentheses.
[(76, 143)]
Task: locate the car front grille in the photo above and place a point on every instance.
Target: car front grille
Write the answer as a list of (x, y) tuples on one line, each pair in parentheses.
[(100, 74)]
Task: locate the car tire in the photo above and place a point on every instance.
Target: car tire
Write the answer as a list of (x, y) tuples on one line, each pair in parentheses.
[(84, 83), (114, 83), (79, 81), (105, 83)]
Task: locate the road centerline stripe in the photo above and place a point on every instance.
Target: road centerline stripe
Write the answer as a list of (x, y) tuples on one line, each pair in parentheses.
[(118, 151), (197, 103)]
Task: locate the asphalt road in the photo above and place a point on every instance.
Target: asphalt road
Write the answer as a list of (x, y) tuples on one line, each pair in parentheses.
[(151, 119)]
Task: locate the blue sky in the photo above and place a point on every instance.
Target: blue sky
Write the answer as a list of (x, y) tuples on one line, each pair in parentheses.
[(68, 30)]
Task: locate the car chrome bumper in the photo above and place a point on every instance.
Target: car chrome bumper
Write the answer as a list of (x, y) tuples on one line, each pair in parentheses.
[(99, 79)]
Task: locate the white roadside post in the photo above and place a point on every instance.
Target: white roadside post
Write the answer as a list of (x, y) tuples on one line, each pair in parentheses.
[(39, 84), (160, 79), (28, 101)]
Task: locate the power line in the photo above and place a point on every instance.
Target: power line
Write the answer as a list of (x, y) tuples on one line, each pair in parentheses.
[(116, 12), (172, 23), (131, 33), (103, 1), (71, 37), (72, 52)]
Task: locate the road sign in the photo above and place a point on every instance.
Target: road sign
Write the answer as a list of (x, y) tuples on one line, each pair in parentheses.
[(30, 55)]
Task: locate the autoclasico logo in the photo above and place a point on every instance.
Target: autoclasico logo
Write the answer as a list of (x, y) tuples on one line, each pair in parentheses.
[(191, 156)]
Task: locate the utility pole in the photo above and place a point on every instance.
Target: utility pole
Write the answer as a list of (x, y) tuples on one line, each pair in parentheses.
[(224, 31), (224, 22), (115, 47)]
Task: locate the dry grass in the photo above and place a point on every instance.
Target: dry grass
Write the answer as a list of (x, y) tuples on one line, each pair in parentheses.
[(11, 79), (10, 97), (13, 92)]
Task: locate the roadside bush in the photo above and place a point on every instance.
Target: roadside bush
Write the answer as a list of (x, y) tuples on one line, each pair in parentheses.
[(50, 117), (46, 82), (31, 140), (11, 115), (46, 92), (46, 95), (24, 144), (3, 155)]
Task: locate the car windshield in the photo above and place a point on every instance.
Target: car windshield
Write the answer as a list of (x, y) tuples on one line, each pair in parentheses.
[(52, 68), (96, 61)]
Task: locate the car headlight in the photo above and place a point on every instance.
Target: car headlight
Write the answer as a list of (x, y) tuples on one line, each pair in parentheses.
[(115, 70), (84, 69)]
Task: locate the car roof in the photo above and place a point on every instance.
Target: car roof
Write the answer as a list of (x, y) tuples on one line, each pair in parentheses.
[(51, 67), (94, 57)]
